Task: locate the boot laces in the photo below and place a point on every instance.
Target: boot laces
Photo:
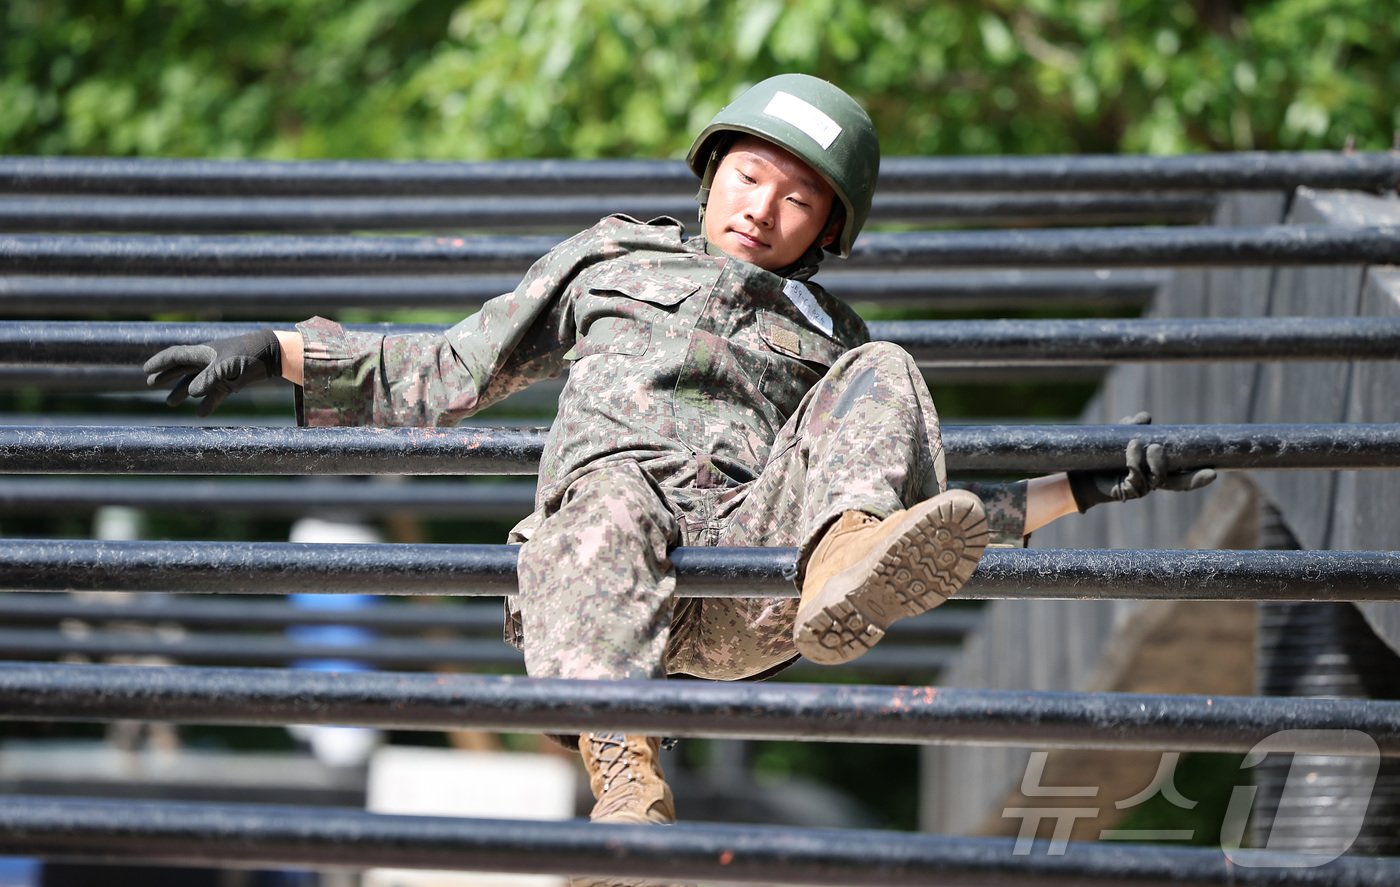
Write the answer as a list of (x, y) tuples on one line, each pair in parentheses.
[(616, 757)]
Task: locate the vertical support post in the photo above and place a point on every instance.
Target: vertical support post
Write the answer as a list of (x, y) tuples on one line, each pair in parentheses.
[(1307, 802)]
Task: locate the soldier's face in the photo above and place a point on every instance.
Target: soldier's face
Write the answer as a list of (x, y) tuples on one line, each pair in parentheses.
[(766, 206)]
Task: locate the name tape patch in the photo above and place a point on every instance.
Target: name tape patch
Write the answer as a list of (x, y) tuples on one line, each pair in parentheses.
[(805, 116), (797, 292)]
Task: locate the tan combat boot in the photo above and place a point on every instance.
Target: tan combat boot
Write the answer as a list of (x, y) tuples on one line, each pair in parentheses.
[(629, 787), (625, 775), (866, 573)]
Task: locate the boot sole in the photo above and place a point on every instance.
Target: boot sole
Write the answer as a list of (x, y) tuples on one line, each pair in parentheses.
[(921, 564)]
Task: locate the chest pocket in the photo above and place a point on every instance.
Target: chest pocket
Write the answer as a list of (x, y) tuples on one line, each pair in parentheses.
[(797, 357), (628, 298), (644, 286), (612, 335)]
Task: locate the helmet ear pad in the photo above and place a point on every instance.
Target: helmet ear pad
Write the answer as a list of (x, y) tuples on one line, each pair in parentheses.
[(718, 146)]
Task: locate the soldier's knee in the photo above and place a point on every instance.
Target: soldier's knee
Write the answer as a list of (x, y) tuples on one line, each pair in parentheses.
[(880, 360), (883, 354)]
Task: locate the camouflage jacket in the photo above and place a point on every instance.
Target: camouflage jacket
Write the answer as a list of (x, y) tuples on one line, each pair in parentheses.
[(675, 356)]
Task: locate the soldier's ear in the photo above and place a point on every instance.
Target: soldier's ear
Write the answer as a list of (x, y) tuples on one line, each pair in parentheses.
[(833, 229)]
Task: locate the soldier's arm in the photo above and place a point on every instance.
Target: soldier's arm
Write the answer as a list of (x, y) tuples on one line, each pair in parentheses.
[(1008, 507), (1017, 509), (290, 342)]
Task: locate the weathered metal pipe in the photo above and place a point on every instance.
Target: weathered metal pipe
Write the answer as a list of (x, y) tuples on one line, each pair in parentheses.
[(276, 835), (942, 343), (787, 711), (948, 625), (48, 297), (91, 449), (1273, 171), (1070, 247), (251, 650), (307, 215), (380, 653), (477, 570), (505, 501)]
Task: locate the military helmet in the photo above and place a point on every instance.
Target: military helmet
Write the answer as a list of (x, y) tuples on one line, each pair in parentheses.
[(814, 120)]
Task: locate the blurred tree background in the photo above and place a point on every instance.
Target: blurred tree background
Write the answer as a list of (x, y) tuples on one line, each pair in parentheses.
[(422, 79)]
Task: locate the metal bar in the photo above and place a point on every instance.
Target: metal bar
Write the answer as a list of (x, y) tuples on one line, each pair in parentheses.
[(948, 625), (78, 379), (1091, 247), (789, 711), (90, 449), (307, 215), (243, 613), (939, 343), (379, 653), (505, 501), (478, 570), (1131, 247), (297, 297), (243, 649), (273, 254), (278, 835), (107, 378), (1221, 171)]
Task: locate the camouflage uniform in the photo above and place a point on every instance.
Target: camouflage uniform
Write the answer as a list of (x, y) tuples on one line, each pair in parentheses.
[(709, 402)]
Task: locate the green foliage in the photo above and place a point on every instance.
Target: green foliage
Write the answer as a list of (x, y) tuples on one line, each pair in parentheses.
[(588, 78)]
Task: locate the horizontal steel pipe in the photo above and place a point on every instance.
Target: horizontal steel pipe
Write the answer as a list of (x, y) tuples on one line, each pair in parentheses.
[(948, 625), (942, 343), (475, 570), (1220, 171), (1132, 247), (468, 617), (1091, 247), (307, 215), (250, 650), (283, 498), (104, 378), (788, 711), (276, 835), (378, 653), (91, 449), (280, 254), (297, 297)]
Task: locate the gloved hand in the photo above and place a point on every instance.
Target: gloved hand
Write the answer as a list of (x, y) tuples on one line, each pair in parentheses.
[(1147, 469), (214, 370)]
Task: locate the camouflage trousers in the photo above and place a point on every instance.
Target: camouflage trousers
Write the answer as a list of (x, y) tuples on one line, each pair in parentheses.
[(597, 585)]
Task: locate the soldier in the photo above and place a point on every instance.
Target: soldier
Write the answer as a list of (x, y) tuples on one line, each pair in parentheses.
[(715, 396)]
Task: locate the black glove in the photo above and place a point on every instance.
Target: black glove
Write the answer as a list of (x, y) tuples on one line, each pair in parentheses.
[(214, 370), (1146, 469)]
